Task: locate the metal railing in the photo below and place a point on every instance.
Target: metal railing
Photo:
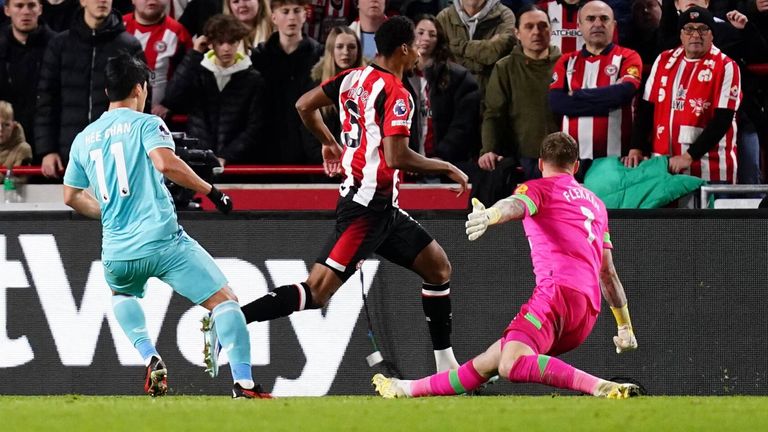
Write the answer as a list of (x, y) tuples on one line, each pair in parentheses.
[(36, 170), (730, 189)]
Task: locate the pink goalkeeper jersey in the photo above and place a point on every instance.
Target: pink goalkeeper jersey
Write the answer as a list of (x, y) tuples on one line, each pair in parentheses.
[(567, 228)]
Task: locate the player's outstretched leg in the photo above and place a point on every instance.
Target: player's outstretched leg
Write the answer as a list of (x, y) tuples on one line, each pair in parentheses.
[(281, 302), (233, 336), (130, 316), (447, 383), (540, 368)]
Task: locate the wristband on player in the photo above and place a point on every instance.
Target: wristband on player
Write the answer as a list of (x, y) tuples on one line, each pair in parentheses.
[(494, 215), (622, 316)]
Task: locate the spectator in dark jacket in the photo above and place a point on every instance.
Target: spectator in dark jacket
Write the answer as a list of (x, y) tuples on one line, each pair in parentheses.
[(222, 92), (286, 60), (447, 96), (22, 45), (58, 14), (70, 93), (197, 13)]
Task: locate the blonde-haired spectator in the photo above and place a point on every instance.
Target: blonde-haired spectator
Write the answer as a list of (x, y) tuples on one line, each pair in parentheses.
[(14, 149), (256, 15), (342, 52)]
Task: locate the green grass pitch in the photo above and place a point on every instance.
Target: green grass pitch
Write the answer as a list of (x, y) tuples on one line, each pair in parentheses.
[(367, 414)]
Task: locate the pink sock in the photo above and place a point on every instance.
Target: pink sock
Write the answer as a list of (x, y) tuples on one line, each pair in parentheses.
[(553, 372), (450, 382)]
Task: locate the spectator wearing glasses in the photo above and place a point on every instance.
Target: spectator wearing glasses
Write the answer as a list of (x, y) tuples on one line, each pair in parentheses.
[(689, 104)]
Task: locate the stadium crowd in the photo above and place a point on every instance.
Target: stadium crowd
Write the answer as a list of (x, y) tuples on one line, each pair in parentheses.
[(625, 78)]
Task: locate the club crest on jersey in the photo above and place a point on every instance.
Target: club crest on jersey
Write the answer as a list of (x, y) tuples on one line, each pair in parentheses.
[(705, 75), (611, 70), (734, 93), (163, 131), (400, 108), (698, 105), (521, 190), (160, 46)]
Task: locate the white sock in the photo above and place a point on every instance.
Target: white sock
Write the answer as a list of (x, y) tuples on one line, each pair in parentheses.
[(246, 384), (405, 386), (445, 359), (149, 359)]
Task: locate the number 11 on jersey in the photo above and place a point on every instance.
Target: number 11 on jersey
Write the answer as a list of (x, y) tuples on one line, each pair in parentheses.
[(122, 173)]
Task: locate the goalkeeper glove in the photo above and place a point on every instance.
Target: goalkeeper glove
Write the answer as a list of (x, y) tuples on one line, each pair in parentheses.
[(221, 200), (625, 340), (480, 218)]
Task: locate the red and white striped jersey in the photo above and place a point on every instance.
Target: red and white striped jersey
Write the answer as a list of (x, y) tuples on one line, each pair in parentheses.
[(599, 136), (161, 42), (564, 25), (373, 104), (323, 15), (685, 94)]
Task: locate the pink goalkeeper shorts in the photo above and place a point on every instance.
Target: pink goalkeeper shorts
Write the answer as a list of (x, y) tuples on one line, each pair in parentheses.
[(552, 326)]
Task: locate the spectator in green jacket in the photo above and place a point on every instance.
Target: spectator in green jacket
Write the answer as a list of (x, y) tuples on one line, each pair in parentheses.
[(480, 32), (517, 115)]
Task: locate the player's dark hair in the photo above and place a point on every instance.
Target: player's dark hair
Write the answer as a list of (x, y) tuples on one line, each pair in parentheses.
[(224, 28), (395, 32), (528, 8), (559, 149), (122, 74)]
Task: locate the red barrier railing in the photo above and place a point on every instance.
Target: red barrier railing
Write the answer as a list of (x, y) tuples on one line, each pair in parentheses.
[(228, 170)]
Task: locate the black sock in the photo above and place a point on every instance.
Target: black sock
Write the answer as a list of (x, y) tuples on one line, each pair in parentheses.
[(281, 302), (436, 301)]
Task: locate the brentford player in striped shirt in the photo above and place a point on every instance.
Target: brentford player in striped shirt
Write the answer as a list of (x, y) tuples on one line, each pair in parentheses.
[(375, 111), (690, 102), (593, 88)]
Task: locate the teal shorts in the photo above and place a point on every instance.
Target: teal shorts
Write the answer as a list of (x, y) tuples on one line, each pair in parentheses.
[(184, 265)]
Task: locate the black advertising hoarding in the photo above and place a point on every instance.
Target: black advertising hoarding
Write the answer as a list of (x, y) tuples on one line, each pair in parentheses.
[(696, 284)]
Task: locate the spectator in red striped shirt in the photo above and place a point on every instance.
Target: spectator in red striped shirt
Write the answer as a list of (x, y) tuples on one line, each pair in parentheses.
[(593, 89), (690, 104), (164, 42)]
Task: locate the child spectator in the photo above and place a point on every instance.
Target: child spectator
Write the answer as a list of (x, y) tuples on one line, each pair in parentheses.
[(14, 149), (221, 91)]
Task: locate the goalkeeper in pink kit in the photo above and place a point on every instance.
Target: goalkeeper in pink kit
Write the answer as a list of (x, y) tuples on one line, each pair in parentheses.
[(567, 228)]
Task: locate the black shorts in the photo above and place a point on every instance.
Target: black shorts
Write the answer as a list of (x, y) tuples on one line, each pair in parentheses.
[(360, 232)]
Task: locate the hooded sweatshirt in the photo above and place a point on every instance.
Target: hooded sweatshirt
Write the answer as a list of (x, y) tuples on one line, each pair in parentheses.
[(471, 21), (223, 75)]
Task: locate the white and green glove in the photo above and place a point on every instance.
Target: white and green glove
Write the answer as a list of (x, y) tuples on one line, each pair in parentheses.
[(480, 218)]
